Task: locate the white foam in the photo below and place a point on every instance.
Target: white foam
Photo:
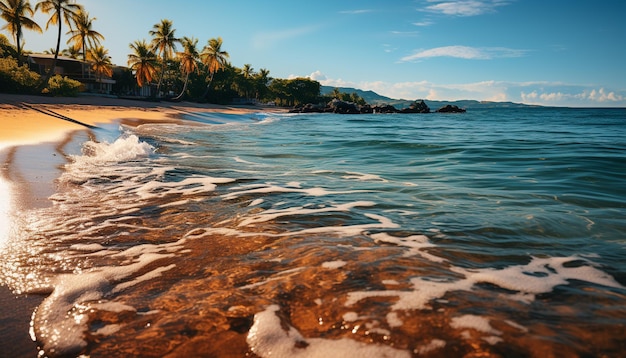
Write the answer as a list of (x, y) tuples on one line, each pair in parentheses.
[(390, 282), (516, 325), (157, 272), (333, 264), (273, 188), (350, 316), (107, 330), (541, 275), (60, 322), (256, 202), (87, 247), (268, 338), (273, 214), (416, 243), (125, 148), (393, 320), (187, 186), (478, 323), (363, 177), (433, 345)]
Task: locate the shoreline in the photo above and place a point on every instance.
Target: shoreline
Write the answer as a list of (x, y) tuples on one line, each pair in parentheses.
[(24, 124), (33, 132)]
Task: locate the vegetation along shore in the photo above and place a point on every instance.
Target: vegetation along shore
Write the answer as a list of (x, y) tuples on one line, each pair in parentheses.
[(164, 67)]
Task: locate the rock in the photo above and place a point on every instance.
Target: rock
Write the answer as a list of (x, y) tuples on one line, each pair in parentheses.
[(451, 109), (366, 109), (307, 108), (342, 107), (386, 108), (416, 107)]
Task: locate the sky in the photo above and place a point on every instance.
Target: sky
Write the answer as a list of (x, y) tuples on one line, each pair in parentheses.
[(545, 52)]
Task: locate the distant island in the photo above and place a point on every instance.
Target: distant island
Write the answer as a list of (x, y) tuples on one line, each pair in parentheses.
[(374, 99)]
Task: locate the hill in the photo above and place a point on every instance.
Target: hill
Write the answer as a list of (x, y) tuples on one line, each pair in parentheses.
[(374, 98)]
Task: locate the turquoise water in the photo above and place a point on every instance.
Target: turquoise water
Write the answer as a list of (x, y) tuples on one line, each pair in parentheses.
[(496, 232)]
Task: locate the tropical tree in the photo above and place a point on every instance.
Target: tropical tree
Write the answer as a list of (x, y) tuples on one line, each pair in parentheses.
[(214, 58), (6, 49), (101, 62), (17, 14), (84, 35), (143, 61), (71, 52), (164, 44), (246, 84), (261, 81), (188, 60), (63, 11)]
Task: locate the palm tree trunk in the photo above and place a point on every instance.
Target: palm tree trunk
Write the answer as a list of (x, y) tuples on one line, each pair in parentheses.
[(82, 65), (161, 77), (18, 44), (184, 89), (208, 86), (54, 62)]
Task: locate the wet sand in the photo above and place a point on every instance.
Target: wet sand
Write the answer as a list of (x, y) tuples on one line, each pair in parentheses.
[(33, 130)]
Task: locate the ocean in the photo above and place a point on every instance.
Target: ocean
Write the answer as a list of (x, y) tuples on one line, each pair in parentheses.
[(496, 232)]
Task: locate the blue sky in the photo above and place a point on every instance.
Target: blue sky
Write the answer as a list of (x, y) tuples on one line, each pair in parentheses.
[(548, 52)]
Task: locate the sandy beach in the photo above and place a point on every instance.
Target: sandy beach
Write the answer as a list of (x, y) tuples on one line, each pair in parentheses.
[(31, 130), (22, 123)]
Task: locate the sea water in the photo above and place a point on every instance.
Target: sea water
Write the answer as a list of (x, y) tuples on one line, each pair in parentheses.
[(498, 232)]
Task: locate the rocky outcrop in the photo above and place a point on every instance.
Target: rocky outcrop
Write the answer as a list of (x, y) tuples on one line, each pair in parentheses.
[(416, 107), (307, 108), (385, 108), (451, 109), (344, 107)]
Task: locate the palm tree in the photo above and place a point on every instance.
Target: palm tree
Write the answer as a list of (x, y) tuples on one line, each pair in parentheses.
[(247, 72), (62, 11), (163, 43), (101, 62), (261, 80), (143, 62), (16, 13), (188, 60), (214, 58), (84, 35), (71, 52)]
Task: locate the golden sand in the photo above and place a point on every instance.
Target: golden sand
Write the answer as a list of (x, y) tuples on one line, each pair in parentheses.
[(22, 123)]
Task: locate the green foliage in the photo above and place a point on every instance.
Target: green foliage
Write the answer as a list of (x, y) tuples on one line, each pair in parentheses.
[(60, 86), (17, 79), (295, 91), (346, 97), (6, 49)]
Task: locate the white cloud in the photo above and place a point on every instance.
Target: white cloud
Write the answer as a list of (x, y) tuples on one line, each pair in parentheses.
[(423, 23), (317, 76), (602, 96), (356, 12), (465, 52), (465, 7), (587, 97), (537, 93)]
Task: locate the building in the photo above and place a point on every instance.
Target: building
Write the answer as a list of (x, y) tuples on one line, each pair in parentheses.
[(73, 68)]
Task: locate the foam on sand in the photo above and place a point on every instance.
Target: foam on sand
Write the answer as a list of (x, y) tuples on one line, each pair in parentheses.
[(268, 338), (60, 322)]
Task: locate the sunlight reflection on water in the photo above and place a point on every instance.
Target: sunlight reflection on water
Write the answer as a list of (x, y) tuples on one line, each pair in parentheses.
[(6, 202)]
